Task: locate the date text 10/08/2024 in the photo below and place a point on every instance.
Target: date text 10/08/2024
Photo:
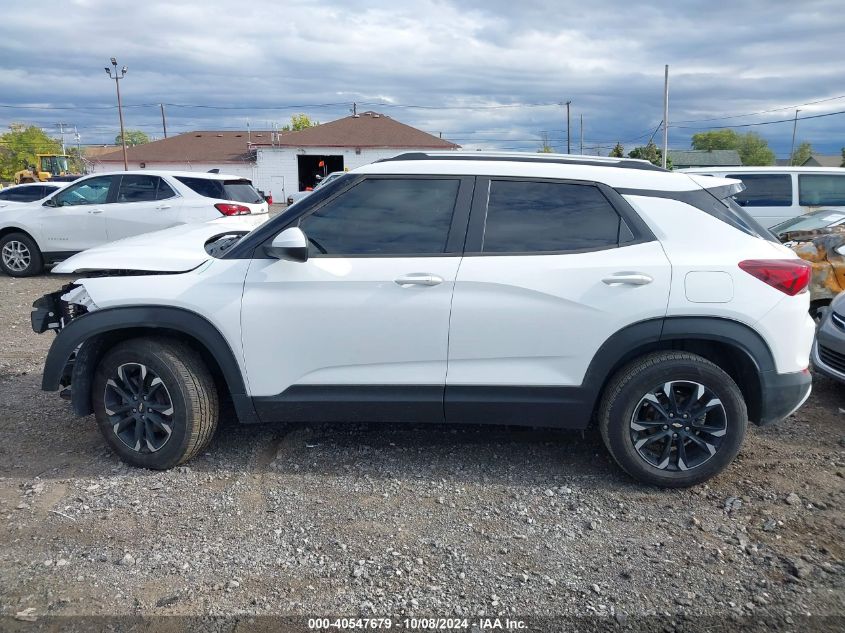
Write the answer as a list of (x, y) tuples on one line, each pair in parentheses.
[(424, 624)]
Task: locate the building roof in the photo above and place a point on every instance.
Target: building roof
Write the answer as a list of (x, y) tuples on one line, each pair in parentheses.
[(201, 146), (822, 160), (95, 151), (367, 129), (704, 158)]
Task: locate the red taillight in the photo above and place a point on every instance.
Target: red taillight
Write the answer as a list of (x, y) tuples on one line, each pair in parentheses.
[(227, 208), (790, 276)]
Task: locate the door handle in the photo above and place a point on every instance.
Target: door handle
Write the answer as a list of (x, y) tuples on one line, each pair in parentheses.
[(95, 211), (628, 279), (164, 206), (418, 279)]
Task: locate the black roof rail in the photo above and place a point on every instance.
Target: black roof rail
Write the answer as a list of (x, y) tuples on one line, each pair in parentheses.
[(527, 158)]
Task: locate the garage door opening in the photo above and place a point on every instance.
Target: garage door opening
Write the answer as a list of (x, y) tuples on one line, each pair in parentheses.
[(312, 166)]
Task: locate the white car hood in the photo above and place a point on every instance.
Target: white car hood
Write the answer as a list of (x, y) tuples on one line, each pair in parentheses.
[(177, 249)]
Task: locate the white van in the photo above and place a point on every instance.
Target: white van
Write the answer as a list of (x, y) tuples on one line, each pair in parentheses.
[(775, 194)]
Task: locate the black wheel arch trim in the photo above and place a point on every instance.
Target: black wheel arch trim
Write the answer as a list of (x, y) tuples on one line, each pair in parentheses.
[(636, 339), (87, 334)]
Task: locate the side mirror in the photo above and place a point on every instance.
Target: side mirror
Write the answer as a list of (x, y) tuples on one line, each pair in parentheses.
[(290, 244), (50, 202)]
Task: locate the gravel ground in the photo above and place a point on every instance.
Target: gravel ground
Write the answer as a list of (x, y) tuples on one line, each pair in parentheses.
[(389, 521)]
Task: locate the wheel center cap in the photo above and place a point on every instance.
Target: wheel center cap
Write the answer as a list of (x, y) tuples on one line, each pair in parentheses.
[(677, 425), (141, 407)]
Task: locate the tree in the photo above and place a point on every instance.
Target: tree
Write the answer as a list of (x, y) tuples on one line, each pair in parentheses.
[(650, 153), (133, 138), (843, 157), (752, 148), (801, 154), (618, 151), (299, 122), (20, 145), (545, 148)]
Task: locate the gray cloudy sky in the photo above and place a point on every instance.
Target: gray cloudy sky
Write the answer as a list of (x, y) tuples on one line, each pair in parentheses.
[(457, 61)]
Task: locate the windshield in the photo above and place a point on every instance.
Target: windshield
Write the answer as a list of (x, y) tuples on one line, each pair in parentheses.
[(55, 165), (811, 221), (333, 176)]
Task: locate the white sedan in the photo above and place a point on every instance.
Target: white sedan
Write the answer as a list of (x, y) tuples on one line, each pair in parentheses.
[(102, 208)]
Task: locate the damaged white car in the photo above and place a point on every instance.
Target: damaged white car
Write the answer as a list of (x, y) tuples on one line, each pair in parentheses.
[(540, 290)]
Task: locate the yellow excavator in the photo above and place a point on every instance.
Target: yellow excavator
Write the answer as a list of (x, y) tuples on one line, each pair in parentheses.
[(52, 167)]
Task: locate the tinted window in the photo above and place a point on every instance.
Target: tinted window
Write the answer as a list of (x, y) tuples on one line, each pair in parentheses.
[(527, 217), (818, 189), (764, 190), (385, 216), (164, 190), (230, 190), (90, 191), (22, 194), (137, 188)]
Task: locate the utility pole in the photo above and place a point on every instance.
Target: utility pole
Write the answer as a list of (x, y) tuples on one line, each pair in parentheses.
[(665, 115), (117, 77), (163, 119), (794, 127), (568, 144), (581, 126), (61, 127)]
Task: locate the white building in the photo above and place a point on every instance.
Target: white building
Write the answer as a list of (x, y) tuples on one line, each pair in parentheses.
[(280, 163)]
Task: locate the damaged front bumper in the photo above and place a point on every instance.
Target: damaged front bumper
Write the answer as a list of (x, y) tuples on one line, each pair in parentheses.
[(55, 310)]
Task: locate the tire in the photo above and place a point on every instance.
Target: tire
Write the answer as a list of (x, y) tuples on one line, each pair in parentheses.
[(636, 403), (20, 255), (178, 417)]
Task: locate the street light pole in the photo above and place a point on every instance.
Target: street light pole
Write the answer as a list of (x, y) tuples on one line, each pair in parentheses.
[(117, 77), (568, 144), (794, 127)]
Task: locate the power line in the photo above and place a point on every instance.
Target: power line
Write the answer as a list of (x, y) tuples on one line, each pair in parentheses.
[(738, 116), (790, 120)]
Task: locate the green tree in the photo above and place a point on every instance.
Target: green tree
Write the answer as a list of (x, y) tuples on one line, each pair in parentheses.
[(801, 154), (843, 157), (133, 138), (752, 148), (716, 139), (618, 151), (546, 148), (651, 153), (20, 145), (299, 122)]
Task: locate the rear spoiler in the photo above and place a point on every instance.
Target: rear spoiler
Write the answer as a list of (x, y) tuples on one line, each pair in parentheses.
[(720, 188)]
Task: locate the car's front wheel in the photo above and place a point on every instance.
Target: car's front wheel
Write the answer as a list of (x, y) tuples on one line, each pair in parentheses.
[(672, 419), (20, 255), (155, 402)]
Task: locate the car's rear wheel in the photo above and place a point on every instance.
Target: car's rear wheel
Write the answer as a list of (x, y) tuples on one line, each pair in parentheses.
[(155, 402), (20, 255), (673, 419)]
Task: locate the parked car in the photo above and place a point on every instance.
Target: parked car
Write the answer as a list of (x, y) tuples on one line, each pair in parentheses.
[(776, 194), (828, 355), (300, 195), (29, 192), (554, 289), (103, 208)]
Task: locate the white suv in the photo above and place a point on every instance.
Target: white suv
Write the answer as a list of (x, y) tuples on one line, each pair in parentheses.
[(467, 288), (106, 207)]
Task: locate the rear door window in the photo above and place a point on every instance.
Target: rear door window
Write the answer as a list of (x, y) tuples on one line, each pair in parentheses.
[(764, 190), (240, 190), (815, 190), (136, 188), (543, 217)]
